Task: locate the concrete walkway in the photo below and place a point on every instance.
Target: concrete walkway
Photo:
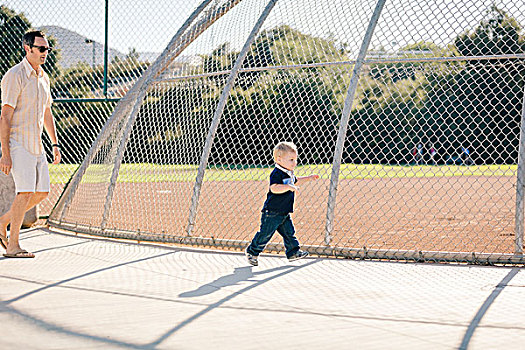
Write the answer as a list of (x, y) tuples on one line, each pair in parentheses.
[(84, 293)]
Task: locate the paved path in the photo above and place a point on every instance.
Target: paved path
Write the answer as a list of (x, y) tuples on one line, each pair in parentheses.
[(83, 293)]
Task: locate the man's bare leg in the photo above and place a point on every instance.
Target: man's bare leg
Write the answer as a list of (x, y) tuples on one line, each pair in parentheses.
[(23, 202), (5, 219), (36, 198)]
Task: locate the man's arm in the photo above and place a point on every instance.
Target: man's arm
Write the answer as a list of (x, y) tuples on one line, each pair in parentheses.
[(49, 125), (5, 131)]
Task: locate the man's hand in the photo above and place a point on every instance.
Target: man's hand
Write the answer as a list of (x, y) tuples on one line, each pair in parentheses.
[(6, 164), (56, 155), (6, 116)]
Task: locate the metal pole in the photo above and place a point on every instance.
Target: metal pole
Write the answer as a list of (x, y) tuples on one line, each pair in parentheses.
[(520, 183), (106, 46), (334, 178), (92, 42), (94, 73), (218, 113)]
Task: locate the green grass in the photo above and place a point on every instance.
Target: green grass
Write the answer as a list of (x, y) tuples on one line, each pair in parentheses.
[(61, 173), (136, 173)]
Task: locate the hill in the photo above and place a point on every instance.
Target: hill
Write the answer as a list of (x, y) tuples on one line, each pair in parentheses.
[(75, 48)]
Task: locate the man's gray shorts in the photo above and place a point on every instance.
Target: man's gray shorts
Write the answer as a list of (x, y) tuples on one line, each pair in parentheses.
[(30, 172)]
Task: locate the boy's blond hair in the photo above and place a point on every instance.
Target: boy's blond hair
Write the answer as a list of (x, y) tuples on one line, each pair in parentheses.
[(283, 147)]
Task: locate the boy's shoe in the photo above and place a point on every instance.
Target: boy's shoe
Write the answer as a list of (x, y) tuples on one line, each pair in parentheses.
[(252, 259), (298, 255)]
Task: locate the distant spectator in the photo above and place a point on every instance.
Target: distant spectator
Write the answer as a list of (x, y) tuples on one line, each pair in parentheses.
[(465, 156), (419, 156), (432, 151)]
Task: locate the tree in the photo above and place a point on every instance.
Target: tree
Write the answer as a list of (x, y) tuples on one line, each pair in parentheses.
[(399, 71), (263, 108), (73, 118), (268, 106), (474, 104), (384, 123), (12, 28), (479, 105), (500, 34)]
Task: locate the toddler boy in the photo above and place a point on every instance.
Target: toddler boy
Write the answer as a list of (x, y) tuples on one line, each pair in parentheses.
[(279, 204)]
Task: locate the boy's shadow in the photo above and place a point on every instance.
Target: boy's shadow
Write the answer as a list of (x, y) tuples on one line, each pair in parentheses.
[(239, 274)]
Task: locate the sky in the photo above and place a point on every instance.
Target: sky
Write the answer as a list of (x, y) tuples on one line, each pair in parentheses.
[(148, 26), (145, 25)]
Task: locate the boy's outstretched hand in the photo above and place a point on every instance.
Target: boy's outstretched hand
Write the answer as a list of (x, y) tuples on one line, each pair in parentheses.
[(303, 179)]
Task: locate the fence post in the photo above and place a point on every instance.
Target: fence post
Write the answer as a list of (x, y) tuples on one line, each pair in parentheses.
[(336, 166), (217, 116), (520, 183), (106, 47)]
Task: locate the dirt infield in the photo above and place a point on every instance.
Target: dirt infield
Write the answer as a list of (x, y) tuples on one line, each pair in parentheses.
[(454, 214)]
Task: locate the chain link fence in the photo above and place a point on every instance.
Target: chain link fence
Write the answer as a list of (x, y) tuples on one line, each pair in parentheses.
[(409, 111), (101, 49)]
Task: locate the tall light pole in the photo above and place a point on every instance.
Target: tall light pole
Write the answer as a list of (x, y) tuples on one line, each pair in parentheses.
[(92, 42)]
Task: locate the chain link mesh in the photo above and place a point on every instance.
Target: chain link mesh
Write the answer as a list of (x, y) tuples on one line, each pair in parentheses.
[(429, 161), (84, 91)]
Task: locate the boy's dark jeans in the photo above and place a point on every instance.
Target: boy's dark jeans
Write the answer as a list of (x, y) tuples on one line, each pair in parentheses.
[(271, 222)]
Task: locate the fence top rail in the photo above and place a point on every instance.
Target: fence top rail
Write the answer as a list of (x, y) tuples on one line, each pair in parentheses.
[(310, 65), (346, 63)]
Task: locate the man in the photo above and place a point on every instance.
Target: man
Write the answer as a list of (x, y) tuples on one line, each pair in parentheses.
[(26, 110)]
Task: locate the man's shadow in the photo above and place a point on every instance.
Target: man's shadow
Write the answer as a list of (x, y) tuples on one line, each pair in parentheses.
[(239, 274)]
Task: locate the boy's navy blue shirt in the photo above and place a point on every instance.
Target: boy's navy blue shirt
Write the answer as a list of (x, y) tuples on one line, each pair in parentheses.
[(280, 203)]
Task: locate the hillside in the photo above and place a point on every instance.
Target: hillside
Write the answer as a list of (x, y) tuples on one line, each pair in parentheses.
[(74, 49)]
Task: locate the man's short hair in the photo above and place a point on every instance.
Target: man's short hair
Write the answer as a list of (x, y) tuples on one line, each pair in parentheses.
[(282, 148), (29, 37)]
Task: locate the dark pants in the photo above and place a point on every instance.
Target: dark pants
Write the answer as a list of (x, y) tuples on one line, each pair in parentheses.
[(271, 222)]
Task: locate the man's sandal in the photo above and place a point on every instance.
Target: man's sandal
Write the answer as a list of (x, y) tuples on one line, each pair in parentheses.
[(20, 254)]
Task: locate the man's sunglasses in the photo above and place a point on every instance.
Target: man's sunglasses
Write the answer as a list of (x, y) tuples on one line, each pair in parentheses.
[(43, 49)]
